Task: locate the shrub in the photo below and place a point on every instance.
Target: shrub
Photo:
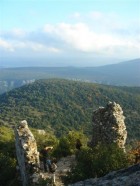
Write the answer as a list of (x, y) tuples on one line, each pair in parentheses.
[(66, 145), (7, 157), (7, 169), (97, 162), (47, 139)]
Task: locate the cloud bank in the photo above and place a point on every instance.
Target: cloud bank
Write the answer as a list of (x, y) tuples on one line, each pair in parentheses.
[(92, 34)]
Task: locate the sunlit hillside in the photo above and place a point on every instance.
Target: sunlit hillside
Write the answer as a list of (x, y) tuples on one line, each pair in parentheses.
[(63, 105)]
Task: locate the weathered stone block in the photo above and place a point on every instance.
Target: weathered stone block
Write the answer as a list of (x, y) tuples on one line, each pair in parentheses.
[(27, 154), (109, 126)]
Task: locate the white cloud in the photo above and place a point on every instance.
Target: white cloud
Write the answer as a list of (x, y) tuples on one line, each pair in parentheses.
[(48, 28), (83, 38), (98, 33), (37, 47), (18, 32), (15, 45), (6, 45), (75, 15), (54, 50), (96, 15)]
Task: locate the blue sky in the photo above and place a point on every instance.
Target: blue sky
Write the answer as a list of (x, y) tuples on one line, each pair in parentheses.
[(71, 32)]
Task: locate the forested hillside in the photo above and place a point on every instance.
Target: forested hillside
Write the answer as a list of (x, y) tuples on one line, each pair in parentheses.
[(63, 105)]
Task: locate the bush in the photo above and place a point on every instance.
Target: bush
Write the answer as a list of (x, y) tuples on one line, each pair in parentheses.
[(66, 145), (63, 148), (97, 162), (7, 169), (47, 139), (7, 157)]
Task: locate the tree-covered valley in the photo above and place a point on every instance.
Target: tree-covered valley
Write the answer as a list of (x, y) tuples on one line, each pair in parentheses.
[(62, 105)]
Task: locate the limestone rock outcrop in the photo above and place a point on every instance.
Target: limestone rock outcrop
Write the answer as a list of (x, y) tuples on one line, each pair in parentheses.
[(27, 154), (109, 126)]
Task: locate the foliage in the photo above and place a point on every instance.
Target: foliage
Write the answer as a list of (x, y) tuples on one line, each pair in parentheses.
[(7, 145), (90, 162), (7, 169), (63, 105), (7, 157), (46, 139), (43, 182), (97, 162), (135, 152), (67, 143)]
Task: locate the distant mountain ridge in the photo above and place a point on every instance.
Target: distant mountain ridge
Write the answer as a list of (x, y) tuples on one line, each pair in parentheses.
[(121, 74)]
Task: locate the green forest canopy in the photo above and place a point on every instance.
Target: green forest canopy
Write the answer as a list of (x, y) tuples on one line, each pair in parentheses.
[(64, 105)]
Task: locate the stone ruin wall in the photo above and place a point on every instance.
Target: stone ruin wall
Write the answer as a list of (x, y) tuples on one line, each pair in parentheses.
[(109, 126), (27, 154)]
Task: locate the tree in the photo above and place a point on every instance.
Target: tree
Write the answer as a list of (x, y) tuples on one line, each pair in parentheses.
[(7, 157), (98, 161), (66, 145)]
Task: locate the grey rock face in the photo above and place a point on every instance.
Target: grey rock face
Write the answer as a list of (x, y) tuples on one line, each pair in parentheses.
[(27, 154), (109, 126)]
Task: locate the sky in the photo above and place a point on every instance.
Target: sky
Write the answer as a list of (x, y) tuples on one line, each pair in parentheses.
[(68, 32)]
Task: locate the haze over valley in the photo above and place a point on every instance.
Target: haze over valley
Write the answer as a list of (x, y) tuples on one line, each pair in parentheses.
[(121, 74)]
